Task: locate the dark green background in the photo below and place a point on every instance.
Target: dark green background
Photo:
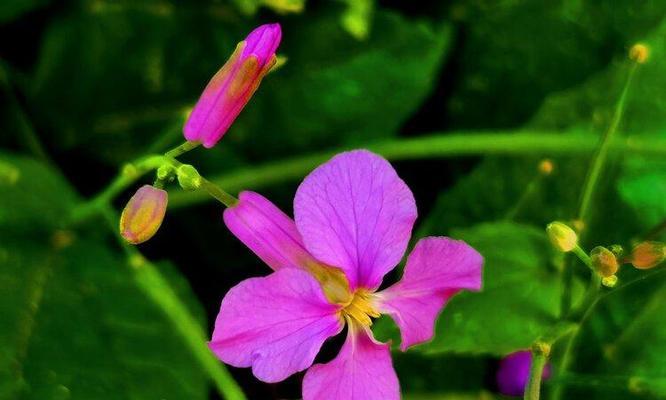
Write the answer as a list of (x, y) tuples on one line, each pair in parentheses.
[(86, 86)]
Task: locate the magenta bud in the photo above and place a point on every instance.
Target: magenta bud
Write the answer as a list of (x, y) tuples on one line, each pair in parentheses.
[(514, 371), (232, 86), (143, 214)]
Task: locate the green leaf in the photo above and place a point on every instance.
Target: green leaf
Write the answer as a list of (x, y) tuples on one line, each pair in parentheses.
[(250, 7), (332, 91), (642, 180), (34, 196), (12, 9), (519, 302), (624, 339), (75, 325)]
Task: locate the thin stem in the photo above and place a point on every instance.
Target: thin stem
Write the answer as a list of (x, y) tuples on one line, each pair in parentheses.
[(596, 168), (182, 149), (26, 128), (151, 282), (131, 172), (540, 353), (524, 197), (432, 146), (599, 160), (217, 192), (212, 189), (582, 255)]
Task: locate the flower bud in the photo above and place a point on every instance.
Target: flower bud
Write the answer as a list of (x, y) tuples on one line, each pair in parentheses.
[(143, 214), (188, 177), (561, 236), (604, 261), (609, 281), (648, 254), (232, 86), (165, 172), (546, 167), (639, 53)]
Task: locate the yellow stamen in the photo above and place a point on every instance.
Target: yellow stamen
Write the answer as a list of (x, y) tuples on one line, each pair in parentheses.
[(361, 309)]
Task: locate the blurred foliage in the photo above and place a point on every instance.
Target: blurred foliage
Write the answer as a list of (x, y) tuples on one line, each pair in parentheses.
[(88, 85), (74, 323)]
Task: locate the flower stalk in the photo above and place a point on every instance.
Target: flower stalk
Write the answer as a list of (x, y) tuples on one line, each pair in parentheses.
[(540, 353)]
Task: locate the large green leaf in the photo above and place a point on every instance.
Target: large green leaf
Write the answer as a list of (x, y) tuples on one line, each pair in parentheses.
[(642, 180), (623, 339), (331, 91), (520, 298), (33, 195), (75, 324), (12, 9)]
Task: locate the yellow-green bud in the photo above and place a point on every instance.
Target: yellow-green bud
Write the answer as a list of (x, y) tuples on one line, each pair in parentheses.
[(604, 261), (609, 281), (143, 214), (561, 236), (647, 255), (165, 171), (188, 177), (639, 53)]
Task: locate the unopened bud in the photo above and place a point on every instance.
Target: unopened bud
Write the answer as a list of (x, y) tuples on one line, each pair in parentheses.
[(546, 167), (648, 254), (609, 281), (165, 171), (561, 236), (617, 250), (188, 177), (604, 261), (639, 53), (143, 214)]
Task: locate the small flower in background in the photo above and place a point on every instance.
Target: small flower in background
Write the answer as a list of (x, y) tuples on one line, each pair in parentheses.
[(514, 371), (232, 86), (561, 236), (353, 222), (648, 255), (143, 214)]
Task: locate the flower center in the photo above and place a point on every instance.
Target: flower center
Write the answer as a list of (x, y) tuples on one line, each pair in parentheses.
[(360, 309), (333, 281)]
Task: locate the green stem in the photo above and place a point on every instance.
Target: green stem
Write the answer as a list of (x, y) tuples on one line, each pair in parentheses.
[(182, 149), (131, 172), (599, 160), (216, 192), (524, 198), (540, 353), (432, 146), (582, 255), (151, 282)]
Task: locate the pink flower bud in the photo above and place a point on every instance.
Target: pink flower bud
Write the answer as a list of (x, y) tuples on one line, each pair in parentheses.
[(232, 86), (647, 255), (143, 214)]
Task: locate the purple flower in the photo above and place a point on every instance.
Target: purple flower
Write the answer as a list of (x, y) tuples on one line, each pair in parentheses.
[(513, 372), (353, 221), (232, 86)]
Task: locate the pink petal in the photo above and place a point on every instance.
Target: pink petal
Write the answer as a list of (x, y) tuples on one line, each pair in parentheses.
[(437, 269), (267, 231), (275, 324), (263, 42), (362, 371), (355, 213), (231, 87)]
